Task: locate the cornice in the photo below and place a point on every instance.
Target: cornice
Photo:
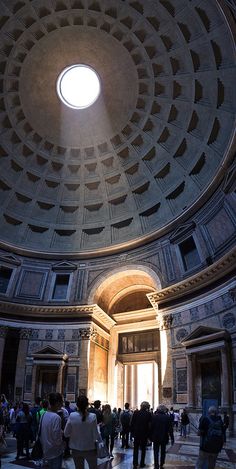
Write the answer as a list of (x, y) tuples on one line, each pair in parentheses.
[(204, 278), (91, 312)]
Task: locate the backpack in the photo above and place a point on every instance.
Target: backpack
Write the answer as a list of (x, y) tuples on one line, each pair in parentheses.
[(214, 439), (125, 419)]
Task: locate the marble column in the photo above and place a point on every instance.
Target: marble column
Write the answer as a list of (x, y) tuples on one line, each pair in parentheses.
[(128, 383), (112, 385), (190, 380), (225, 378), (60, 373), (135, 402), (3, 333), (85, 336), (21, 360)]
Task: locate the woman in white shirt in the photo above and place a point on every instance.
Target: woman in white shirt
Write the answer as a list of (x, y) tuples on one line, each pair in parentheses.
[(81, 428)]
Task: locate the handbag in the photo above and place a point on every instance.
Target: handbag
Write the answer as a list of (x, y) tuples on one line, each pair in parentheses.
[(102, 451), (37, 450), (101, 447)]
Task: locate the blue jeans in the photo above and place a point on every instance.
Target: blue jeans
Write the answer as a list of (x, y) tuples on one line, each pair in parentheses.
[(55, 463)]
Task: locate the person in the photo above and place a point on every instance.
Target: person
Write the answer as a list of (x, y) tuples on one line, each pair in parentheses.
[(161, 431), (23, 431), (51, 433), (43, 408), (211, 432), (64, 415), (184, 421), (96, 409), (125, 419), (176, 420), (34, 412), (108, 428), (140, 429), (81, 429)]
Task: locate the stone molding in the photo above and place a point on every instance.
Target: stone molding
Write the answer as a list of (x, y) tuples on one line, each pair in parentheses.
[(206, 277), (91, 312)]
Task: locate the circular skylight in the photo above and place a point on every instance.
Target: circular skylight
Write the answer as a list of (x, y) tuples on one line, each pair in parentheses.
[(78, 86)]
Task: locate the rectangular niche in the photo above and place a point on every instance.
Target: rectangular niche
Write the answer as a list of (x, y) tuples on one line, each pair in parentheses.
[(61, 287), (5, 277), (189, 254)]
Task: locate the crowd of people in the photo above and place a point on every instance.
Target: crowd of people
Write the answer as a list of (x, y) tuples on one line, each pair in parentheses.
[(67, 430)]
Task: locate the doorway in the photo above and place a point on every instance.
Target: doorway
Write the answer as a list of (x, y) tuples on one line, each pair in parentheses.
[(47, 382), (141, 384)]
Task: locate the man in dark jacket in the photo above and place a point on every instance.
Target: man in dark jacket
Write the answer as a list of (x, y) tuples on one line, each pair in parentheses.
[(211, 431), (161, 430), (140, 430)]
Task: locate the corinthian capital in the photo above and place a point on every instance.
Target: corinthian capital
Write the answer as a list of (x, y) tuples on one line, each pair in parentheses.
[(88, 333), (166, 321), (25, 333), (3, 332)]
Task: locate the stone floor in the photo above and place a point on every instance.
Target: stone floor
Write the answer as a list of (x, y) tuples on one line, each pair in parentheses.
[(182, 455)]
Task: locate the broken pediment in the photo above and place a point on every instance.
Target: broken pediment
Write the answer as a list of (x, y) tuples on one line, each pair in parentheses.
[(182, 232), (64, 266)]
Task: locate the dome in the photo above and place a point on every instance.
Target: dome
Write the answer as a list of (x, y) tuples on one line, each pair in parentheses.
[(145, 155)]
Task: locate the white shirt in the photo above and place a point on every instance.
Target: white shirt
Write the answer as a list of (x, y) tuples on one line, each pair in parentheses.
[(51, 435), (82, 434)]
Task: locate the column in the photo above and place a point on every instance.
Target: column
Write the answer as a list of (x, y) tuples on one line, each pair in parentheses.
[(224, 378), (34, 381), (3, 333), (135, 402), (112, 385), (21, 362), (128, 383), (85, 336), (60, 378), (190, 380)]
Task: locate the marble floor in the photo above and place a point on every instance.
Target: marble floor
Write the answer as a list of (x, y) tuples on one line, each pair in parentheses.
[(182, 455)]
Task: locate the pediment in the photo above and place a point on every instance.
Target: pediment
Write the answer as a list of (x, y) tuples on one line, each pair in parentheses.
[(201, 331), (205, 334), (182, 231), (10, 259), (64, 266), (48, 350)]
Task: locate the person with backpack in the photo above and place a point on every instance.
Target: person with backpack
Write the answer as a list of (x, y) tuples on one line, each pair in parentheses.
[(211, 431), (125, 419)]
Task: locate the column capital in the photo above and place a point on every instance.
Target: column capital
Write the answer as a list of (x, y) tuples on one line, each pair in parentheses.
[(3, 331), (25, 333), (166, 321), (88, 333)]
